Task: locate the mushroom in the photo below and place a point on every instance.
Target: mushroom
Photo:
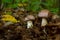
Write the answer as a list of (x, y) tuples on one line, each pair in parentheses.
[(44, 14), (55, 18), (29, 20)]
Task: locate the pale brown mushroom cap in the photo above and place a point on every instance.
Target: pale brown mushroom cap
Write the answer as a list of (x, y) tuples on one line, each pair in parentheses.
[(44, 13), (29, 17)]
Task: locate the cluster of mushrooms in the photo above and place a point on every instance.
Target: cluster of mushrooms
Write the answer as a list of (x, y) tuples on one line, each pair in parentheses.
[(44, 14), (46, 19)]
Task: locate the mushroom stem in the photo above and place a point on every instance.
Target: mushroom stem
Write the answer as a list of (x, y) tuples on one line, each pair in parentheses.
[(29, 24), (44, 22)]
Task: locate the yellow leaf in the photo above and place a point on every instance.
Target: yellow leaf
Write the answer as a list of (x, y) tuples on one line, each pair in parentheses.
[(9, 18), (24, 4), (20, 4)]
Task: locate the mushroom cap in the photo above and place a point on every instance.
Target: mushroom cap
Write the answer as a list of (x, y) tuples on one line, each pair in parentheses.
[(44, 13), (29, 17)]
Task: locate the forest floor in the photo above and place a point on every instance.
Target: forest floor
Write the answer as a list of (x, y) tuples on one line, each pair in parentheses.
[(19, 30)]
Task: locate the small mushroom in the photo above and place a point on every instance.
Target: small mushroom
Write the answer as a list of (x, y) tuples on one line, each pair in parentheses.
[(29, 20), (55, 17), (44, 14)]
